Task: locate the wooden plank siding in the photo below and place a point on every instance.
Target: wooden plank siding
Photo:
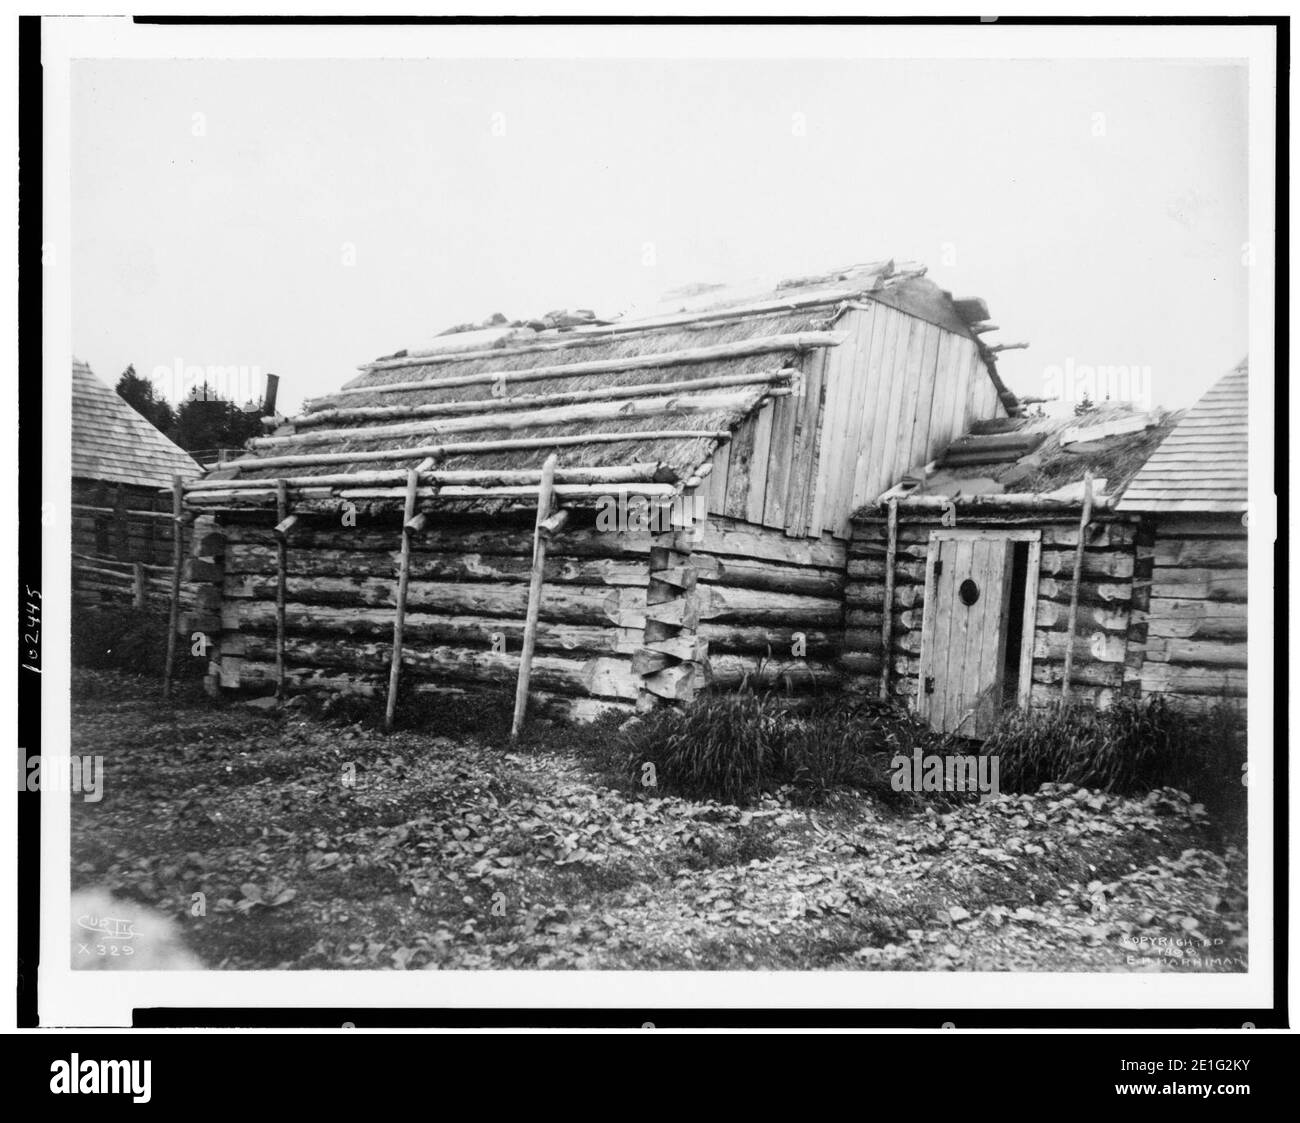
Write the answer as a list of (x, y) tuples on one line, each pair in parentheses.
[(889, 398)]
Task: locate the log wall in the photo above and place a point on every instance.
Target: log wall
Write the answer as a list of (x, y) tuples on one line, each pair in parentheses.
[(115, 528), (1196, 637), (1102, 631), (628, 619)]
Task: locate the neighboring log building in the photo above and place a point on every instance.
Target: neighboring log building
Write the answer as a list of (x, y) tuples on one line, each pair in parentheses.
[(122, 473), (1038, 560), (451, 505), (1193, 496)]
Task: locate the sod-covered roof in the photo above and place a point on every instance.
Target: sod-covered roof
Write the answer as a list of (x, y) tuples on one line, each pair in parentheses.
[(643, 402), (110, 441)]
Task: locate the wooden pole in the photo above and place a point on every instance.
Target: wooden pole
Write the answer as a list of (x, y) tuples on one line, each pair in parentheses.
[(544, 492), (281, 579), (1084, 518), (137, 584), (174, 616), (887, 615), (455, 448), (399, 617)]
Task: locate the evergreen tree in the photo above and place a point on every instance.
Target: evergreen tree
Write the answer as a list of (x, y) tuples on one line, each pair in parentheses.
[(140, 394)]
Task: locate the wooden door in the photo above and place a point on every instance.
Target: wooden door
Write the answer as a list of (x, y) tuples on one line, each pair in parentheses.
[(964, 631)]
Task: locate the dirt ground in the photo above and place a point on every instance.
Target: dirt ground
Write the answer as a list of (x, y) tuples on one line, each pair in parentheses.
[(279, 840)]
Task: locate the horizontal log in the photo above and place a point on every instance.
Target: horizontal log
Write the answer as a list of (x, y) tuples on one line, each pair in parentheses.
[(1209, 682), (860, 662), (778, 641), (1200, 526), (732, 538), (627, 473), (1084, 674), (574, 604), (1096, 563), (729, 671), (475, 632), (428, 565), (1101, 647), (301, 680), (758, 607), (1090, 617), (733, 402), (735, 349), (429, 494), (1199, 584), (480, 537), (477, 406), (472, 448), (1174, 618), (1196, 652), (1090, 592), (748, 573), (1210, 553), (602, 676)]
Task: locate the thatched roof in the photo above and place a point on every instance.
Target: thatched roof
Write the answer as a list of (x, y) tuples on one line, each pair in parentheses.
[(110, 441), (1202, 465), (649, 397)]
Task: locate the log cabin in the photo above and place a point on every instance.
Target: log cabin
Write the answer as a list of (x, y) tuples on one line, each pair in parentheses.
[(122, 474), (599, 516), (1045, 560), (1192, 498)]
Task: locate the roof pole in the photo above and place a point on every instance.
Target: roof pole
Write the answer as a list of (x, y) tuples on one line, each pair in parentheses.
[(174, 616), (409, 526), (1084, 518), (281, 578), (544, 493), (887, 613)]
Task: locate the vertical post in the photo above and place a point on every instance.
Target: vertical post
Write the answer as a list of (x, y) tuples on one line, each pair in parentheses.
[(121, 524), (281, 580), (404, 575), (544, 493), (137, 584), (887, 605), (174, 616), (1084, 518)]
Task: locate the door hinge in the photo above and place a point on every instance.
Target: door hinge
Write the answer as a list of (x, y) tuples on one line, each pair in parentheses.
[(929, 684), (938, 566)]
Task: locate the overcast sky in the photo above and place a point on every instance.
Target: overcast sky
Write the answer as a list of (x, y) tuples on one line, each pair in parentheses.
[(314, 215)]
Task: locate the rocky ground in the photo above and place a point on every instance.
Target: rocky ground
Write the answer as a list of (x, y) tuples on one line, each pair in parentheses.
[(281, 840)]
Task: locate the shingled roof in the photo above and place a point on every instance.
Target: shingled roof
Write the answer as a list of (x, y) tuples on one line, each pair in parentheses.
[(1202, 464), (648, 399), (110, 441)]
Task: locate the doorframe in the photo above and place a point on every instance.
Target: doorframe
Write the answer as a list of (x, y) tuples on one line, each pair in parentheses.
[(1029, 616)]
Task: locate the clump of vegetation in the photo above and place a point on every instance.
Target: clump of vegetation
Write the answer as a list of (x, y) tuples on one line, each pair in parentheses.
[(737, 746), (1134, 746), (128, 639)]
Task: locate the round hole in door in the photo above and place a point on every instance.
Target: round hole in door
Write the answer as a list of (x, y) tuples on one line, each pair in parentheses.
[(969, 592)]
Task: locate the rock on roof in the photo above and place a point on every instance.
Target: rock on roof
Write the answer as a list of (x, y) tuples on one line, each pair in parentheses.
[(1202, 464), (110, 441)]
